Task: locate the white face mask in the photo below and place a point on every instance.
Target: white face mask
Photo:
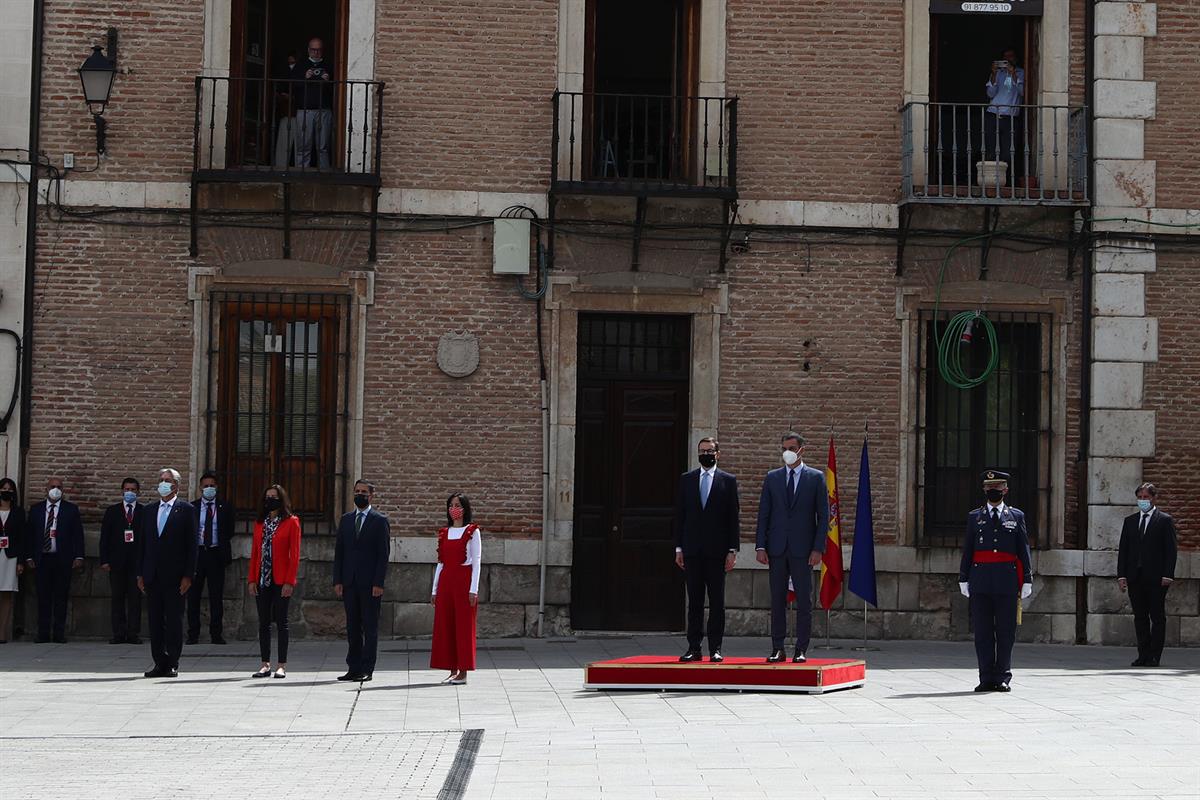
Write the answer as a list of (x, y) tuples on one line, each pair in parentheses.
[(55, 494), (790, 457)]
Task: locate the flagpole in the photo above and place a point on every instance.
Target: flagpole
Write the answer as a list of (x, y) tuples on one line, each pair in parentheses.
[(865, 647)]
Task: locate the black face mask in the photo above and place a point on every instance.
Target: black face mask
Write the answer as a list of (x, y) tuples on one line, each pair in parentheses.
[(7, 495), (994, 495), (707, 460), (362, 500), (272, 504)]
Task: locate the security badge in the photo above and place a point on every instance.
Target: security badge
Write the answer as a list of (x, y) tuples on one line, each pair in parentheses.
[(128, 535), (3, 542)]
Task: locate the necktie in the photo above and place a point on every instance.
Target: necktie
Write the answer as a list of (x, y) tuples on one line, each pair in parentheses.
[(705, 480), (47, 540), (358, 522), (791, 483), (1142, 528), (129, 513), (163, 508), (995, 519), (209, 538)]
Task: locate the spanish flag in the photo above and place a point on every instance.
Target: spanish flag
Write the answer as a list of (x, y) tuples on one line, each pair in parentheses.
[(831, 560)]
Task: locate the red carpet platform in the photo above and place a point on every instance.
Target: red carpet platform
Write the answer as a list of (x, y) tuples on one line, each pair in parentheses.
[(733, 674)]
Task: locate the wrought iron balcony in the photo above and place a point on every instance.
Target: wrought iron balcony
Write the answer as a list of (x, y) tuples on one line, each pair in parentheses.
[(288, 131), (963, 153), (644, 145)]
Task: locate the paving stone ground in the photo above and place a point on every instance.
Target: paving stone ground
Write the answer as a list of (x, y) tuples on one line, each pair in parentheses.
[(79, 721)]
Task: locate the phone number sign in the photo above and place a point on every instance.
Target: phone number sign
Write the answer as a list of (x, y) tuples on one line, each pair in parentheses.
[(1016, 7)]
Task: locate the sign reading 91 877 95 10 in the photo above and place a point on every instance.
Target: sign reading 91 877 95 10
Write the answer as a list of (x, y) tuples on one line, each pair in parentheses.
[(1031, 8)]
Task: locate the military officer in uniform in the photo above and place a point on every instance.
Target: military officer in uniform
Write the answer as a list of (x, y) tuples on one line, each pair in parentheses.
[(995, 569)]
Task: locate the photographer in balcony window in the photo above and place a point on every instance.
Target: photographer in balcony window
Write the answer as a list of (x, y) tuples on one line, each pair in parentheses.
[(312, 98), (1002, 140)]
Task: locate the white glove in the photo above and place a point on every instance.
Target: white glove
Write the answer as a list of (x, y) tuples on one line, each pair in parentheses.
[(1026, 590), (965, 588)]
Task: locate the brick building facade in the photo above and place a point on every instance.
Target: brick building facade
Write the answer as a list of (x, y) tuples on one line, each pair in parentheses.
[(750, 234)]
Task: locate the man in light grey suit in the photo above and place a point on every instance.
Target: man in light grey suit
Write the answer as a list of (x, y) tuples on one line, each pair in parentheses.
[(793, 525)]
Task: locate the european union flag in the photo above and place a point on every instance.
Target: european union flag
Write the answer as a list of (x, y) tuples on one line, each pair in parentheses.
[(862, 557)]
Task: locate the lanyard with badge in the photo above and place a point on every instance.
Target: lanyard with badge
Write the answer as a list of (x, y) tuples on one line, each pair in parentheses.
[(128, 527), (4, 532)]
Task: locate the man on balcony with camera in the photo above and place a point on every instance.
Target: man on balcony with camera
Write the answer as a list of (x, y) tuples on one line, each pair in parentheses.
[(311, 80), (1002, 122)]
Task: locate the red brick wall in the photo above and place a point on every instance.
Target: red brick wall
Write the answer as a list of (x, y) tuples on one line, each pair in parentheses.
[(819, 87), (151, 112), (112, 360), (1172, 59), (1172, 386), (469, 85)]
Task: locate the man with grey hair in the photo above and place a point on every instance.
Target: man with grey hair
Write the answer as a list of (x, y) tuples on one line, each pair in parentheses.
[(165, 571), (1146, 569)]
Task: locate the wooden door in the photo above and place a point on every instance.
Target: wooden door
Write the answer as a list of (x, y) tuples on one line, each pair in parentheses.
[(631, 430)]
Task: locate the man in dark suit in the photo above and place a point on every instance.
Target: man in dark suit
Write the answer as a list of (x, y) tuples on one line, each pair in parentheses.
[(120, 545), (995, 569), (706, 545), (53, 550), (215, 521), (165, 571), (793, 525), (1146, 569), (360, 558)]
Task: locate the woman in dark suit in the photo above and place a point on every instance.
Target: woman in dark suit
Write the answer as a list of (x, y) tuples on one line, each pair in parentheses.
[(12, 528), (274, 561)]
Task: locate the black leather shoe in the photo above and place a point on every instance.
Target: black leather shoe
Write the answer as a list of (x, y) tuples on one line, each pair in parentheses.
[(1138, 662), (799, 658), (716, 657), (1001, 687), (170, 672), (365, 677), (117, 640), (1151, 662), (350, 676), (218, 639), (691, 655), (192, 640), (985, 687), (134, 640), (776, 657), (60, 640), (153, 672), (41, 640)]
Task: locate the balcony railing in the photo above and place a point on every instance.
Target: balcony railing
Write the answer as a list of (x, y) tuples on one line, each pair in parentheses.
[(963, 153), (648, 145), (264, 129)]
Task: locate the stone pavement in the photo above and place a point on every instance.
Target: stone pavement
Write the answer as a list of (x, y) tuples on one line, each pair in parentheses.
[(1079, 723)]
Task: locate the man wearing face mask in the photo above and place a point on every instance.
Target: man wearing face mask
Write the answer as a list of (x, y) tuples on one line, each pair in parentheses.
[(119, 548), (54, 549), (706, 545), (215, 522), (169, 545), (995, 568), (1146, 569), (793, 526), (360, 558)]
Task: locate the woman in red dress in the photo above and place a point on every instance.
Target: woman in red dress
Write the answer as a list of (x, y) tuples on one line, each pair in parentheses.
[(456, 591)]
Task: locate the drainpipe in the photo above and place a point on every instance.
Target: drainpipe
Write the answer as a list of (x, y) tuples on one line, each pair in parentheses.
[(544, 549), (31, 211), (1085, 344)]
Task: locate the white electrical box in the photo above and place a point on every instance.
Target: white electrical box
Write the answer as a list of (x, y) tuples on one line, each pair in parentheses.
[(510, 246)]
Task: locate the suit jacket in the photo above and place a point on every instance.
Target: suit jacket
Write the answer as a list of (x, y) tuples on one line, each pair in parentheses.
[(226, 524), (361, 559), (16, 532), (1009, 537), (285, 552), (795, 525), (711, 530), (1157, 547), (114, 550), (172, 555), (70, 531)]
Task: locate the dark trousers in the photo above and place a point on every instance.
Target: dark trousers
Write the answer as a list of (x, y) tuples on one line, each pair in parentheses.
[(210, 568), (126, 602), (705, 574), (164, 612), (1148, 597), (53, 576), (994, 618), (781, 568), (1002, 141), (272, 607), (362, 628)]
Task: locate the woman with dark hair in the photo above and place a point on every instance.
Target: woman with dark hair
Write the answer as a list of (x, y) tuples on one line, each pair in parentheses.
[(456, 591), (12, 528), (274, 560)]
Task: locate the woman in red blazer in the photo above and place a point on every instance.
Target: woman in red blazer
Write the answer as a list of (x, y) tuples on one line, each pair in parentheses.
[(274, 560)]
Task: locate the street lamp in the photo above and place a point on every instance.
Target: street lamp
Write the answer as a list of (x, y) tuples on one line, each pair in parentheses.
[(97, 74)]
